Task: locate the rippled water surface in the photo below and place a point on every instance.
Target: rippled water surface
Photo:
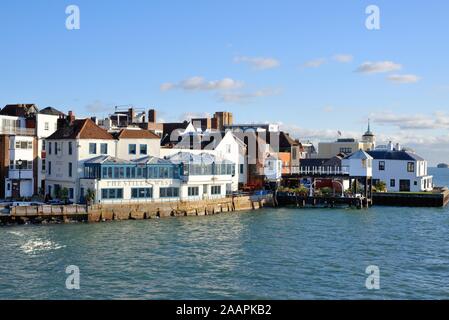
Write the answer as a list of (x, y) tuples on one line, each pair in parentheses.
[(266, 254)]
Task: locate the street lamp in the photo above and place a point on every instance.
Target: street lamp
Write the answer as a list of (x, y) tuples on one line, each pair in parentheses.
[(19, 164)]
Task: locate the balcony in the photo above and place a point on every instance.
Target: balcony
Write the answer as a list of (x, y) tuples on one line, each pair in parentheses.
[(17, 131)]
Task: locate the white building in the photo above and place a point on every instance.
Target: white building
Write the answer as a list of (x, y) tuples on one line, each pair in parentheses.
[(67, 149), (17, 152), (402, 171), (46, 125), (273, 168), (204, 175), (125, 167), (226, 146), (23, 129), (358, 164)]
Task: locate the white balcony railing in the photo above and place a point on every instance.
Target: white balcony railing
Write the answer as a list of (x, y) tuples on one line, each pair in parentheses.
[(323, 171), (17, 131)]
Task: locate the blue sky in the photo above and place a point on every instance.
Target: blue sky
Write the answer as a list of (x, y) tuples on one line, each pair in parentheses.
[(312, 66)]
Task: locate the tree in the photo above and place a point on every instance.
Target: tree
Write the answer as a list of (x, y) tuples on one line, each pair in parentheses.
[(64, 194), (327, 192), (380, 186)]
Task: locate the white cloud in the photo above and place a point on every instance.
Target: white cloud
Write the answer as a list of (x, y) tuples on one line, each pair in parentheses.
[(438, 120), (167, 86), (314, 63), (343, 58), (247, 96), (200, 84), (258, 63), (378, 67), (403, 78)]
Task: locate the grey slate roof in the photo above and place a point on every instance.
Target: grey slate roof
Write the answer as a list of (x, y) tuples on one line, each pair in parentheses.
[(51, 111), (394, 155)]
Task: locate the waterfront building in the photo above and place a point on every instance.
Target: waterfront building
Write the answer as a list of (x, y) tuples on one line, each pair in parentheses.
[(204, 175), (23, 129), (273, 168), (347, 146), (74, 142), (115, 180), (222, 145), (401, 170), (125, 165)]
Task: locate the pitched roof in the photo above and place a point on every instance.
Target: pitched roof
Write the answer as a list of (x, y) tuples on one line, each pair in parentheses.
[(285, 141), (360, 155), (314, 162), (191, 158), (51, 111), (81, 129), (151, 160), (105, 159), (19, 110), (395, 155), (136, 134)]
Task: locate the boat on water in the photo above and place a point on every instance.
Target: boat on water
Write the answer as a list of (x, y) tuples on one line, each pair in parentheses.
[(443, 166)]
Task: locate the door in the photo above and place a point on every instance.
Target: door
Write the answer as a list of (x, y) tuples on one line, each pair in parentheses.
[(15, 191), (404, 185)]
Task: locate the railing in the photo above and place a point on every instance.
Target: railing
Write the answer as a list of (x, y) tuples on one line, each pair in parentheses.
[(18, 131), (330, 171)]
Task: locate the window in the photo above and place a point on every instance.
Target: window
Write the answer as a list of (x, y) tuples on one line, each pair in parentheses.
[(104, 148), (49, 168), (43, 165), (24, 145), (143, 149), (410, 167), (132, 149), (70, 169), (346, 150), (228, 148), (168, 192), (111, 193), (241, 169), (92, 148), (43, 145), (141, 193), (49, 148), (294, 153), (70, 147), (381, 165), (416, 183), (26, 165), (46, 126), (56, 148), (71, 193), (215, 190), (194, 191)]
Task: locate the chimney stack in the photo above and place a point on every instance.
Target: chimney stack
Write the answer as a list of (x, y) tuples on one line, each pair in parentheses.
[(152, 116), (70, 117)]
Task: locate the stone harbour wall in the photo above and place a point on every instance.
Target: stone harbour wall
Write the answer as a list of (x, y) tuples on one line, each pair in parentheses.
[(151, 210)]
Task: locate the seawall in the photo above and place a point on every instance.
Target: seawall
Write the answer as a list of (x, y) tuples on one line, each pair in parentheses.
[(435, 199), (134, 211)]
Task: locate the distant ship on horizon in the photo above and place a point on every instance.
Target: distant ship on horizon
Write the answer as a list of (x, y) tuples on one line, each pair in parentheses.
[(443, 166)]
